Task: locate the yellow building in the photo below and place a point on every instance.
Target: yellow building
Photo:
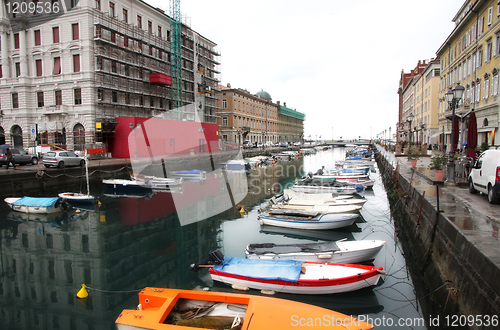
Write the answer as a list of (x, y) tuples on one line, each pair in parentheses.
[(470, 57)]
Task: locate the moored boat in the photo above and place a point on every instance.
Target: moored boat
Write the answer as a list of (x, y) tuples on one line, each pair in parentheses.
[(336, 252), (292, 276), (126, 186), (307, 219), (77, 197), (43, 205), (323, 208), (184, 309)]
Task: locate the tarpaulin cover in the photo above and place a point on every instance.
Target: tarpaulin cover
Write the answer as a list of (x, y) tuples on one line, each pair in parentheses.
[(47, 202), (286, 270)]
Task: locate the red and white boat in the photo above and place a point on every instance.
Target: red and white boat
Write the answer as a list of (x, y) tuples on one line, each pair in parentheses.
[(292, 276)]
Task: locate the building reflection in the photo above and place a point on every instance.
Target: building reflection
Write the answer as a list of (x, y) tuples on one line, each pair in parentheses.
[(126, 245)]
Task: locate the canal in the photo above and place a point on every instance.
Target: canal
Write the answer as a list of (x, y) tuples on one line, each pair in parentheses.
[(130, 242)]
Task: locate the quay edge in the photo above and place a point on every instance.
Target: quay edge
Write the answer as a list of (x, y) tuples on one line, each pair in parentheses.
[(454, 276)]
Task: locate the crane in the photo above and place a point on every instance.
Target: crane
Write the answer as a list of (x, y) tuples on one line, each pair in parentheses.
[(175, 50)]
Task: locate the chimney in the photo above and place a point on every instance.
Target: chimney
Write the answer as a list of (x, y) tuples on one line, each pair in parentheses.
[(278, 102), (228, 85), (284, 104)]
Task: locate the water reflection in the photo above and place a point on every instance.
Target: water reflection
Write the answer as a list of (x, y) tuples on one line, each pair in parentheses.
[(137, 241)]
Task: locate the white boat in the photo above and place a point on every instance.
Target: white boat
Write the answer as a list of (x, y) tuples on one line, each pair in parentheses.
[(126, 186), (368, 184), (290, 194), (325, 208), (73, 197), (325, 189), (306, 219), (157, 183), (291, 276), (335, 252), (189, 175), (43, 205)]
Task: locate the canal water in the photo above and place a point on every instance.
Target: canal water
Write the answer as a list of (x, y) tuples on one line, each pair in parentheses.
[(131, 242)]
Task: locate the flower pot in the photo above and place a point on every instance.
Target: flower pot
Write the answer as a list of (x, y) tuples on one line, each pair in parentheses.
[(439, 174), (413, 163)]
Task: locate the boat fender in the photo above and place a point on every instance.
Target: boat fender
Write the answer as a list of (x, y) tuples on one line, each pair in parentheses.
[(268, 292), (139, 307), (302, 269), (240, 287), (261, 222), (324, 256)]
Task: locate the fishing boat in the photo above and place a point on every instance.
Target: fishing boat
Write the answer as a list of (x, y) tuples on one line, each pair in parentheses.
[(160, 308), (43, 205), (306, 219), (292, 276), (337, 252), (79, 197)]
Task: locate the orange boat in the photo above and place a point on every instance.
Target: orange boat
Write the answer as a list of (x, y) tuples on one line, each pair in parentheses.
[(185, 309)]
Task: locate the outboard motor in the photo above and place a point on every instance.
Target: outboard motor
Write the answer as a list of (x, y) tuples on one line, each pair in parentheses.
[(310, 174), (215, 257)]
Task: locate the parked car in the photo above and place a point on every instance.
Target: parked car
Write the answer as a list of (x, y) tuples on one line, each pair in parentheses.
[(62, 158), (21, 157), (485, 175), (247, 144), (284, 144), (297, 144), (260, 145)]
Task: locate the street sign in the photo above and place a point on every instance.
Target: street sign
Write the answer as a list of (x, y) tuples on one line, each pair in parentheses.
[(32, 134)]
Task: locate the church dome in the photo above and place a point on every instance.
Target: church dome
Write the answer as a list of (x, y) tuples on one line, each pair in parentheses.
[(263, 94)]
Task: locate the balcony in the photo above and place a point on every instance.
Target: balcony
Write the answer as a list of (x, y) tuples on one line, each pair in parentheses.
[(462, 109), (55, 110)]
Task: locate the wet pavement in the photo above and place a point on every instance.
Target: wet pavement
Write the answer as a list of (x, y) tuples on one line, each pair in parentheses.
[(472, 214)]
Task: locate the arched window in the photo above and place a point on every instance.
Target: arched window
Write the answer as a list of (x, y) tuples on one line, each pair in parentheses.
[(2, 136), (79, 137), (16, 135)]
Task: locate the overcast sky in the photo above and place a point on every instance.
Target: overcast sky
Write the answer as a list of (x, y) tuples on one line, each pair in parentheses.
[(339, 62)]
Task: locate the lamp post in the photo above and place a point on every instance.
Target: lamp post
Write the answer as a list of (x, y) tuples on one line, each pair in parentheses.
[(389, 139), (239, 137), (410, 119), (453, 97), (135, 128)]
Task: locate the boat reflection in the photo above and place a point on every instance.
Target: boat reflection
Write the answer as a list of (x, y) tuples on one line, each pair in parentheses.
[(314, 235)]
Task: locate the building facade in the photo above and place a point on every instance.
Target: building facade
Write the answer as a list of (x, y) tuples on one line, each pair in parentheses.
[(246, 116), (291, 127), (470, 57), (65, 79)]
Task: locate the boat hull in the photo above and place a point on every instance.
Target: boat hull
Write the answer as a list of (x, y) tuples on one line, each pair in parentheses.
[(319, 282), (255, 312), (349, 252), (325, 221), (324, 189), (77, 198), (30, 209)]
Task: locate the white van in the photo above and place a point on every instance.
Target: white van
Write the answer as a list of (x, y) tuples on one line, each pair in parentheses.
[(485, 175)]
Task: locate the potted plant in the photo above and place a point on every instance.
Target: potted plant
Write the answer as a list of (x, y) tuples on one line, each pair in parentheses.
[(413, 156), (437, 164)]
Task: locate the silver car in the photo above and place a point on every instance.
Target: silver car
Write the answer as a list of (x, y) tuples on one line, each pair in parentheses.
[(61, 158)]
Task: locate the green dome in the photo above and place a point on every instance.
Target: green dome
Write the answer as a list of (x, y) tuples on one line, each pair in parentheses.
[(264, 95)]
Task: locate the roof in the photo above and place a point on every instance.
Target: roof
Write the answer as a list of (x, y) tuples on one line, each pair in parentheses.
[(263, 94), (291, 113)]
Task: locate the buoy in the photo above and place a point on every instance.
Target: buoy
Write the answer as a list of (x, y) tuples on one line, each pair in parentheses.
[(82, 293), (242, 210), (99, 203), (78, 211), (240, 287), (268, 292)]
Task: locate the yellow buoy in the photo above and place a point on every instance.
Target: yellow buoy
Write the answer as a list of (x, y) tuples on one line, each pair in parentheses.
[(78, 211), (82, 293), (99, 203), (242, 210)]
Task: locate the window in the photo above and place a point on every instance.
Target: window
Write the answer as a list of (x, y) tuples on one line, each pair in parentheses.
[(127, 98), (38, 64), (113, 36), (78, 96), (15, 100), (113, 66), (125, 15), (97, 4), (111, 9), (76, 63), (114, 96), (74, 3), (58, 97), (159, 31), (224, 121), (37, 38), (55, 34), (76, 31), (151, 102), (139, 22), (490, 15), (100, 94), (478, 92), (18, 69), (487, 52), (224, 103), (57, 66), (125, 41), (486, 88), (494, 85), (127, 70), (39, 99), (150, 27), (496, 45), (161, 103), (16, 40)]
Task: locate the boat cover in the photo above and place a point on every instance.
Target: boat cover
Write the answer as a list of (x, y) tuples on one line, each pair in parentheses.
[(263, 248), (286, 270), (47, 202)]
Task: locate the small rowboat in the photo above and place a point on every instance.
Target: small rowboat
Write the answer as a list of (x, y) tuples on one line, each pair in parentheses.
[(325, 189), (337, 252), (307, 219), (183, 309), (43, 205), (323, 208), (292, 276)]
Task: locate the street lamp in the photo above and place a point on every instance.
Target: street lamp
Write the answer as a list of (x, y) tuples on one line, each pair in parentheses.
[(410, 119), (453, 97), (137, 127)]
